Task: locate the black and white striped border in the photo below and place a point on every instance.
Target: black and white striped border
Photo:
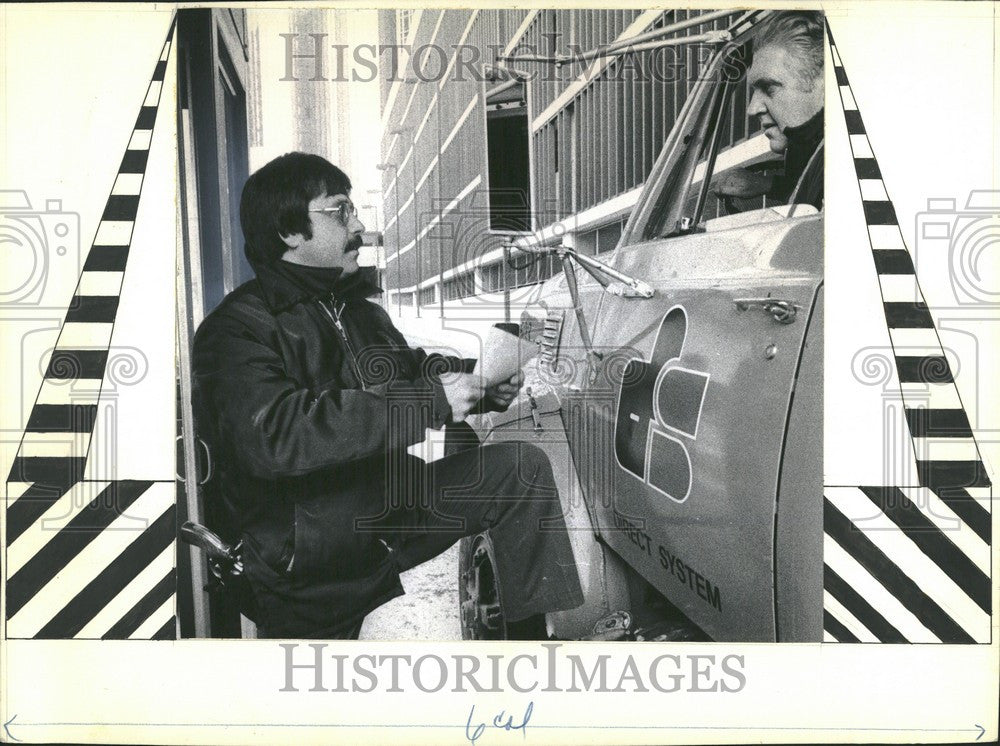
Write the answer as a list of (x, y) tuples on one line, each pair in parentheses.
[(908, 565), (85, 558), (98, 563), (946, 452), (901, 566)]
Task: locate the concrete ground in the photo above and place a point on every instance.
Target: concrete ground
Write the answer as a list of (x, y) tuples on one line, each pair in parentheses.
[(428, 611)]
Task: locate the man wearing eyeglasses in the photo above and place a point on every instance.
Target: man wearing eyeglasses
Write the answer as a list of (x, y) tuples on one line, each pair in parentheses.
[(308, 398)]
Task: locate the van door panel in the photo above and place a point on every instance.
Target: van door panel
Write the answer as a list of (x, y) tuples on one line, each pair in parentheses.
[(688, 410)]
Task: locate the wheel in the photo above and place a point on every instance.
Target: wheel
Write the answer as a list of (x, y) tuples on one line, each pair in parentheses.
[(479, 591)]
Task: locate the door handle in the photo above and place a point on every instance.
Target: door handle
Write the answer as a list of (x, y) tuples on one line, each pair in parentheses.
[(208, 461), (209, 468), (782, 311)]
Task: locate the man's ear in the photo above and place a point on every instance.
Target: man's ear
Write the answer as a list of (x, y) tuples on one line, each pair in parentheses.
[(293, 240)]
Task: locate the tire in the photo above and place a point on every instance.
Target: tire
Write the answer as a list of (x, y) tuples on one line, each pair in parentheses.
[(480, 610)]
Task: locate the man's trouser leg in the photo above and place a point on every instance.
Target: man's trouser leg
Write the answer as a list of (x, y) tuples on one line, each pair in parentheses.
[(509, 489)]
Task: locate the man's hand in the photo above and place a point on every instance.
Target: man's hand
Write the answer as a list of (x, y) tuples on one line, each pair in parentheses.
[(464, 390), (741, 182), (503, 393)]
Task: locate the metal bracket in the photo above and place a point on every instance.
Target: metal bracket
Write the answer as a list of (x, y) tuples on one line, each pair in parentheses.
[(615, 626)]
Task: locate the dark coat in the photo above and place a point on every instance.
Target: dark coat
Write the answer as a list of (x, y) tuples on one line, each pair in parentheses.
[(295, 410), (803, 163)]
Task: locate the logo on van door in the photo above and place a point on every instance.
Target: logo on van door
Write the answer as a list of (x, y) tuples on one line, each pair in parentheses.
[(659, 408)]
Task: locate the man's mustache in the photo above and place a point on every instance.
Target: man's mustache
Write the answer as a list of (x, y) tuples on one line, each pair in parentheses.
[(354, 244)]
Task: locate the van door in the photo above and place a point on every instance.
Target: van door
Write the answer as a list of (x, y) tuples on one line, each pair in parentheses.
[(693, 439), (679, 431)]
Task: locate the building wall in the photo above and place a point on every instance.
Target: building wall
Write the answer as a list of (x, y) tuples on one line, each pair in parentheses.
[(311, 102), (595, 131)]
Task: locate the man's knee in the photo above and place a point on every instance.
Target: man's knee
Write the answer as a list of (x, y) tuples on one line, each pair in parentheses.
[(526, 461), (529, 463), (535, 464)]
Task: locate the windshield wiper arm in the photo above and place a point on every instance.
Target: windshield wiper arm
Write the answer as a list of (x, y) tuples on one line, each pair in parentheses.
[(613, 281), (620, 283)]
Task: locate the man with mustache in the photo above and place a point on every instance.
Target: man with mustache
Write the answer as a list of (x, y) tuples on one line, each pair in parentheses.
[(786, 84), (308, 398)]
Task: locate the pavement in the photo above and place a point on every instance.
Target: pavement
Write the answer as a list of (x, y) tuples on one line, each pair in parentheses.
[(428, 611)]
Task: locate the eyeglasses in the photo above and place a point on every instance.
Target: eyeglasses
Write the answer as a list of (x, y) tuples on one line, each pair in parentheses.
[(344, 211)]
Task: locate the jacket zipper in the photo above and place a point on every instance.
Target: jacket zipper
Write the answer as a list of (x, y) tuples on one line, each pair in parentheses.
[(335, 318)]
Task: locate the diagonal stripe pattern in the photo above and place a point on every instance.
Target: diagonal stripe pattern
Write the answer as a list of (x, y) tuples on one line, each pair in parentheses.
[(908, 564), (78, 552), (900, 566)]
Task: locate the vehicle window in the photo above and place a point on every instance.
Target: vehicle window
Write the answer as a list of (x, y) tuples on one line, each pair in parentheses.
[(739, 145), (729, 167)]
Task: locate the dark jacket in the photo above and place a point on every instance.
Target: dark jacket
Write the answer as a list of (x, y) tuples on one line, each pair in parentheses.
[(803, 163), (294, 389)]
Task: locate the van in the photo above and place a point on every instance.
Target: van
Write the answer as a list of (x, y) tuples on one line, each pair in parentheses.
[(678, 393)]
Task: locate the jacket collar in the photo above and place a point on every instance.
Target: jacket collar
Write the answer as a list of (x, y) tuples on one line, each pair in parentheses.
[(805, 137), (803, 142), (283, 285)]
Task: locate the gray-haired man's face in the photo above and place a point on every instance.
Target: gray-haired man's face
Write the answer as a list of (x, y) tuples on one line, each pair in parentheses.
[(780, 96)]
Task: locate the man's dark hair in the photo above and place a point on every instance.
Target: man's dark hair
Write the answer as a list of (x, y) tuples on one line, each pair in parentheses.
[(275, 201), (801, 33)]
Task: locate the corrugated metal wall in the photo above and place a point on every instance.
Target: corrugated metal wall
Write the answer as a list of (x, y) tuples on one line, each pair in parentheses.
[(597, 144), (621, 118)]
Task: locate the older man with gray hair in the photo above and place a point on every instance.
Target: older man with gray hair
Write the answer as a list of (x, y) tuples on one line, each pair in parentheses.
[(786, 84)]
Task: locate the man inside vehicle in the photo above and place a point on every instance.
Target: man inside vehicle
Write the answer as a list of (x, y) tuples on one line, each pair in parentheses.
[(786, 83), (308, 397)]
